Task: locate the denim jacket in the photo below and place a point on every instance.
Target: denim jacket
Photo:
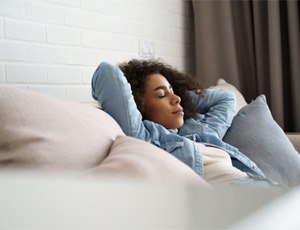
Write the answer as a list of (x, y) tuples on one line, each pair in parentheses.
[(111, 89)]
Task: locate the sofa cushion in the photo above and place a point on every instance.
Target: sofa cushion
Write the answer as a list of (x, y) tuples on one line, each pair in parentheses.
[(38, 131), (255, 133), (133, 158)]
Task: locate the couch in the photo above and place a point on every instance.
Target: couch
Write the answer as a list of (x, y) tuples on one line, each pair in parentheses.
[(62, 163)]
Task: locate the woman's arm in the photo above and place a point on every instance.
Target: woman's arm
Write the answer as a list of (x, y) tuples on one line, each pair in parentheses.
[(111, 89), (218, 107)]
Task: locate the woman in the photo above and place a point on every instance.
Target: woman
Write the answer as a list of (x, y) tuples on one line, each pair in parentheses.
[(154, 102)]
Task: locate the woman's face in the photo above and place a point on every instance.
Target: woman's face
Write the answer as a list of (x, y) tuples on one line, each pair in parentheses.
[(162, 106)]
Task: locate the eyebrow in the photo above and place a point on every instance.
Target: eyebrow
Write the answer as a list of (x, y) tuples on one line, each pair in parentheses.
[(162, 87)]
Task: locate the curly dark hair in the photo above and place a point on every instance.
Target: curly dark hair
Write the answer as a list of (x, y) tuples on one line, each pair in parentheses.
[(137, 72)]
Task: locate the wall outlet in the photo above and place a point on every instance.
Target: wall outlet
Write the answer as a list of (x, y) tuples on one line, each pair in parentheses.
[(146, 49)]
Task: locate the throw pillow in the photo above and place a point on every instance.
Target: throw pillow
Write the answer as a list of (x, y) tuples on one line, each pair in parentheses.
[(39, 131), (134, 158), (256, 134)]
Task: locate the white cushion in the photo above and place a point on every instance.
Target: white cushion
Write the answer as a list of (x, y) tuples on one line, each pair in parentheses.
[(38, 131), (133, 158)]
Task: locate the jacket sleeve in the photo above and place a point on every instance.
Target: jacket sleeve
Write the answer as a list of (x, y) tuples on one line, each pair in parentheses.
[(218, 107), (113, 92)]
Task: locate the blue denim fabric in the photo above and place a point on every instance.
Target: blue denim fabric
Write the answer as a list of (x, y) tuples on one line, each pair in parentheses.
[(111, 89)]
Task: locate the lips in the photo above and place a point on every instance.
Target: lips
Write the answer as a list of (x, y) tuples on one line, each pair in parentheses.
[(178, 111)]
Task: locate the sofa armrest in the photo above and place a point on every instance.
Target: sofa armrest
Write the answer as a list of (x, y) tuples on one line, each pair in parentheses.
[(295, 139)]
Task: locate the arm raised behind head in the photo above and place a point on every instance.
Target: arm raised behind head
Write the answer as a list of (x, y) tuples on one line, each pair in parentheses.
[(111, 89)]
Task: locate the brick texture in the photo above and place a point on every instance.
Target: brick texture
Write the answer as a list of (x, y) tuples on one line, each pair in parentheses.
[(54, 46)]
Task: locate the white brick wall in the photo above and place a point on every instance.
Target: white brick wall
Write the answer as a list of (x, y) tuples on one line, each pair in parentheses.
[(54, 46), (2, 73)]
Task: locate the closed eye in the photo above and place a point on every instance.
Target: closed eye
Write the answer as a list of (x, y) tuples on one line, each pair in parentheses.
[(165, 90)]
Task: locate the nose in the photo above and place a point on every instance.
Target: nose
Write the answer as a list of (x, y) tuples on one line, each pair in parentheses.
[(176, 99)]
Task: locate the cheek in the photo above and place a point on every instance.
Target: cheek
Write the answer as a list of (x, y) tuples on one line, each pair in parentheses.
[(153, 110)]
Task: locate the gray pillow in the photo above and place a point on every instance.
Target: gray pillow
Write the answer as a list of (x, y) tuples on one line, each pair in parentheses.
[(256, 134)]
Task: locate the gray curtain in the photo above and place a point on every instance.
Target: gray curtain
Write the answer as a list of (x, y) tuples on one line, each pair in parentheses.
[(254, 45)]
